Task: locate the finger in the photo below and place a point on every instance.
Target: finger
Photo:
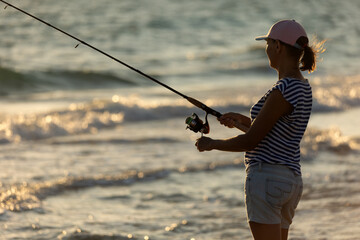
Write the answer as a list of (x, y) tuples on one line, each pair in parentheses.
[(227, 122), (223, 118), (223, 121)]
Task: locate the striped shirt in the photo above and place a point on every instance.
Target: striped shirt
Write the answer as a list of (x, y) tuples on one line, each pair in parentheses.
[(282, 144)]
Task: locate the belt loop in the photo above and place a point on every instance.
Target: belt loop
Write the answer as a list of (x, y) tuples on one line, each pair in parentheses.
[(260, 166)]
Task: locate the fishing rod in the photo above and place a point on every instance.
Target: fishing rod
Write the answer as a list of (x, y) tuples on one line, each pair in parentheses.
[(194, 123)]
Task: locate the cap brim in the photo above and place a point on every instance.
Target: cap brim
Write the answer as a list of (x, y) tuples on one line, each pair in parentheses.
[(261, 38)]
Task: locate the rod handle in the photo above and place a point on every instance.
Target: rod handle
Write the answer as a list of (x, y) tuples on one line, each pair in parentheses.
[(241, 127), (204, 107)]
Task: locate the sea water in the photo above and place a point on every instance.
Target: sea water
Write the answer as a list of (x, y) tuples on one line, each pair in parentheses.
[(91, 150)]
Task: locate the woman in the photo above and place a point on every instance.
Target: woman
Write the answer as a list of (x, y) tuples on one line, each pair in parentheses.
[(278, 120)]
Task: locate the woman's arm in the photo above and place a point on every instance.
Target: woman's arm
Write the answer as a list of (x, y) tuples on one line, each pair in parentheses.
[(274, 107)]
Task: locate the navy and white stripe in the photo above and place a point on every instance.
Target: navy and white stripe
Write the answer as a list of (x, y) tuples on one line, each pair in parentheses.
[(282, 144)]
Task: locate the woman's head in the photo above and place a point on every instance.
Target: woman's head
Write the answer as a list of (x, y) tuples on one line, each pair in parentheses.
[(292, 37)]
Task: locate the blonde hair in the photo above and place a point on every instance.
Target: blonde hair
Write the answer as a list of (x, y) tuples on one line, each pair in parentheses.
[(308, 55)]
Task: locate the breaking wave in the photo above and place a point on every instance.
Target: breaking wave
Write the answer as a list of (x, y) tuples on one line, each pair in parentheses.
[(97, 115), (329, 140)]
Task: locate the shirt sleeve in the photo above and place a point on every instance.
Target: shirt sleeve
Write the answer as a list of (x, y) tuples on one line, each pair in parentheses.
[(290, 92)]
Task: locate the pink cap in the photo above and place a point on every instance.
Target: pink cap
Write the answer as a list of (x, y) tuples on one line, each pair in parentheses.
[(287, 31)]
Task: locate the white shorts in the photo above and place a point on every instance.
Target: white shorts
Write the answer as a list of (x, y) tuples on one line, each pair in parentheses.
[(272, 193)]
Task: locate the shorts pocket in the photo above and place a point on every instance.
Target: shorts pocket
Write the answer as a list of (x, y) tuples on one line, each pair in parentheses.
[(278, 191)]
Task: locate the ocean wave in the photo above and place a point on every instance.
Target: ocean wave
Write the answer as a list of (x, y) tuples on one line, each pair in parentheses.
[(54, 124), (14, 82), (94, 116), (82, 118), (336, 93), (328, 140), (29, 196)]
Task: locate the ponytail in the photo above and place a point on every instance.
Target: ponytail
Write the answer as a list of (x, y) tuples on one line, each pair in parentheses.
[(310, 53), (305, 54), (308, 60)]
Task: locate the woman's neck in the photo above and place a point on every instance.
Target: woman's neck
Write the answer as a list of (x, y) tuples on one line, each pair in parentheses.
[(290, 72)]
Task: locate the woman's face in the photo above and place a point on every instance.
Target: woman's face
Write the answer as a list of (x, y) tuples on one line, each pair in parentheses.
[(271, 52)]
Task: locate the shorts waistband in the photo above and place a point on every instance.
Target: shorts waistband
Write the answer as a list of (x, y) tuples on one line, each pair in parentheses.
[(273, 168)]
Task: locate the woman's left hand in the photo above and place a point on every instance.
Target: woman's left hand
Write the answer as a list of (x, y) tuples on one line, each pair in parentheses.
[(204, 144)]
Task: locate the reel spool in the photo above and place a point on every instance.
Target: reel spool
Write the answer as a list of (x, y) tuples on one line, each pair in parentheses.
[(195, 124)]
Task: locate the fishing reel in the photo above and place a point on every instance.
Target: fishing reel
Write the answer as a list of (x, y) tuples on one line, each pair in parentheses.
[(195, 124)]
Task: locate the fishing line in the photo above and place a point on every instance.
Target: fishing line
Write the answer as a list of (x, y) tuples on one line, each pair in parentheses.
[(193, 101)]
